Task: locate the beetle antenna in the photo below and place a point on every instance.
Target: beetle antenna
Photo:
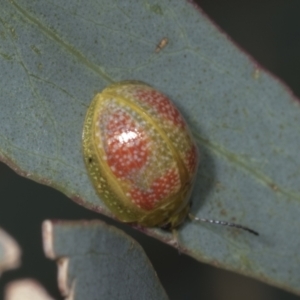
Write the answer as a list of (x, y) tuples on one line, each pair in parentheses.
[(193, 218)]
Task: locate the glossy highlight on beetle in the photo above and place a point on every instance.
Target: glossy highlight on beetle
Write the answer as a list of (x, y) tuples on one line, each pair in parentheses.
[(140, 154)]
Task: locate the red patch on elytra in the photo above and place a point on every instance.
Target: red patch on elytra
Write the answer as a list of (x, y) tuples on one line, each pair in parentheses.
[(126, 144), (162, 105), (192, 159), (160, 189)]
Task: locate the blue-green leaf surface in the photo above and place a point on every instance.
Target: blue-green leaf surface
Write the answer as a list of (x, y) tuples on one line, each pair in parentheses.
[(54, 56), (97, 261)]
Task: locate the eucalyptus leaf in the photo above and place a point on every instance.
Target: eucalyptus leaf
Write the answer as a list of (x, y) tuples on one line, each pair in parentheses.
[(97, 261), (54, 57)]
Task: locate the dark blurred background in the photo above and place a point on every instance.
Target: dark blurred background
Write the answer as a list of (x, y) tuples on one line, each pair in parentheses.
[(270, 32)]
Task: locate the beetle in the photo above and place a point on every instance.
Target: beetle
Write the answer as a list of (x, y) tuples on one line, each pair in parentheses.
[(141, 156)]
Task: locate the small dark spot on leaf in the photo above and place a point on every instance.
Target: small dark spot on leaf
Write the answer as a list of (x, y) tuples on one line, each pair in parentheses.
[(156, 9)]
